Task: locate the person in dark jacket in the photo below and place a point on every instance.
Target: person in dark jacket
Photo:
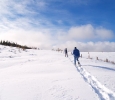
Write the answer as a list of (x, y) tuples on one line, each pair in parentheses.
[(76, 54), (66, 53)]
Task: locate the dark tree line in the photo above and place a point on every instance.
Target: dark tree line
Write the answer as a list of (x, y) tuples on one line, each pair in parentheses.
[(12, 44)]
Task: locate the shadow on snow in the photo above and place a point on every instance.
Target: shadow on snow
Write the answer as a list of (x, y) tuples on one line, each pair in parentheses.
[(111, 69)]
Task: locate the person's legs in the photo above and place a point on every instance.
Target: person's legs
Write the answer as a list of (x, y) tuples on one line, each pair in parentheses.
[(78, 61), (66, 54), (75, 60)]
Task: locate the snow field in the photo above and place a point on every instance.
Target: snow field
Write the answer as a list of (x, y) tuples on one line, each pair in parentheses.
[(48, 75), (103, 71), (41, 75), (103, 92), (101, 55)]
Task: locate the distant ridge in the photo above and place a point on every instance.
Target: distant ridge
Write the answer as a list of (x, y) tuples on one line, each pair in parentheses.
[(12, 44)]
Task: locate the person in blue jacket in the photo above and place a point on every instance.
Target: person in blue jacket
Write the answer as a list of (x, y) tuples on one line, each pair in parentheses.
[(76, 54)]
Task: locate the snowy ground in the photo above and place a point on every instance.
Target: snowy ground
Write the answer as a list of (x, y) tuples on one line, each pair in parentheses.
[(101, 55), (48, 75)]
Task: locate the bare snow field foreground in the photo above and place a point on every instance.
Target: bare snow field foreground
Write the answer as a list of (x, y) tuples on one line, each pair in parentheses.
[(48, 75)]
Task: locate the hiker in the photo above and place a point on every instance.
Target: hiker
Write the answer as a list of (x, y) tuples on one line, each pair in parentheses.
[(76, 54), (66, 53)]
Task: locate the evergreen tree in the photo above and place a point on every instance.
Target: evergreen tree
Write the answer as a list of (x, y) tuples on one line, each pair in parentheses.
[(7, 43)]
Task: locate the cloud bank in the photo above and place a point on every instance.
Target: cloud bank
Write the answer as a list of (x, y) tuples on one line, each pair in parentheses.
[(84, 37), (88, 32), (89, 46)]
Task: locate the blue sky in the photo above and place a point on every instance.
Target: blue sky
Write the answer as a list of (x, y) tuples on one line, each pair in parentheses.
[(59, 23)]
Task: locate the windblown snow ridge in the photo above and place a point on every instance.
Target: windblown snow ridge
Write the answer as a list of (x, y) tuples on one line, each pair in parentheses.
[(103, 92)]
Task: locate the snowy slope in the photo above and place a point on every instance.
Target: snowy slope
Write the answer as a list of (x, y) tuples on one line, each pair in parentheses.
[(104, 71), (48, 75)]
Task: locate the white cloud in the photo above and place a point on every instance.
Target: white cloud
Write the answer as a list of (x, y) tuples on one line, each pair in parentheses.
[(6, 7), (27, 8), (84, 33), (88, 46), (104, 33), (3, 6), (30, 38), (81, 32), (87, 33), (44, 38), (41, 4)]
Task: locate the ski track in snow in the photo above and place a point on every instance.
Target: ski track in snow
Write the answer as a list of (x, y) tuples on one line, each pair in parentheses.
[(103, 92)]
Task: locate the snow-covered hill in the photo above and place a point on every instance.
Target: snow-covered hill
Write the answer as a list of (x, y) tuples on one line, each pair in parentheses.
[(48, 75)]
